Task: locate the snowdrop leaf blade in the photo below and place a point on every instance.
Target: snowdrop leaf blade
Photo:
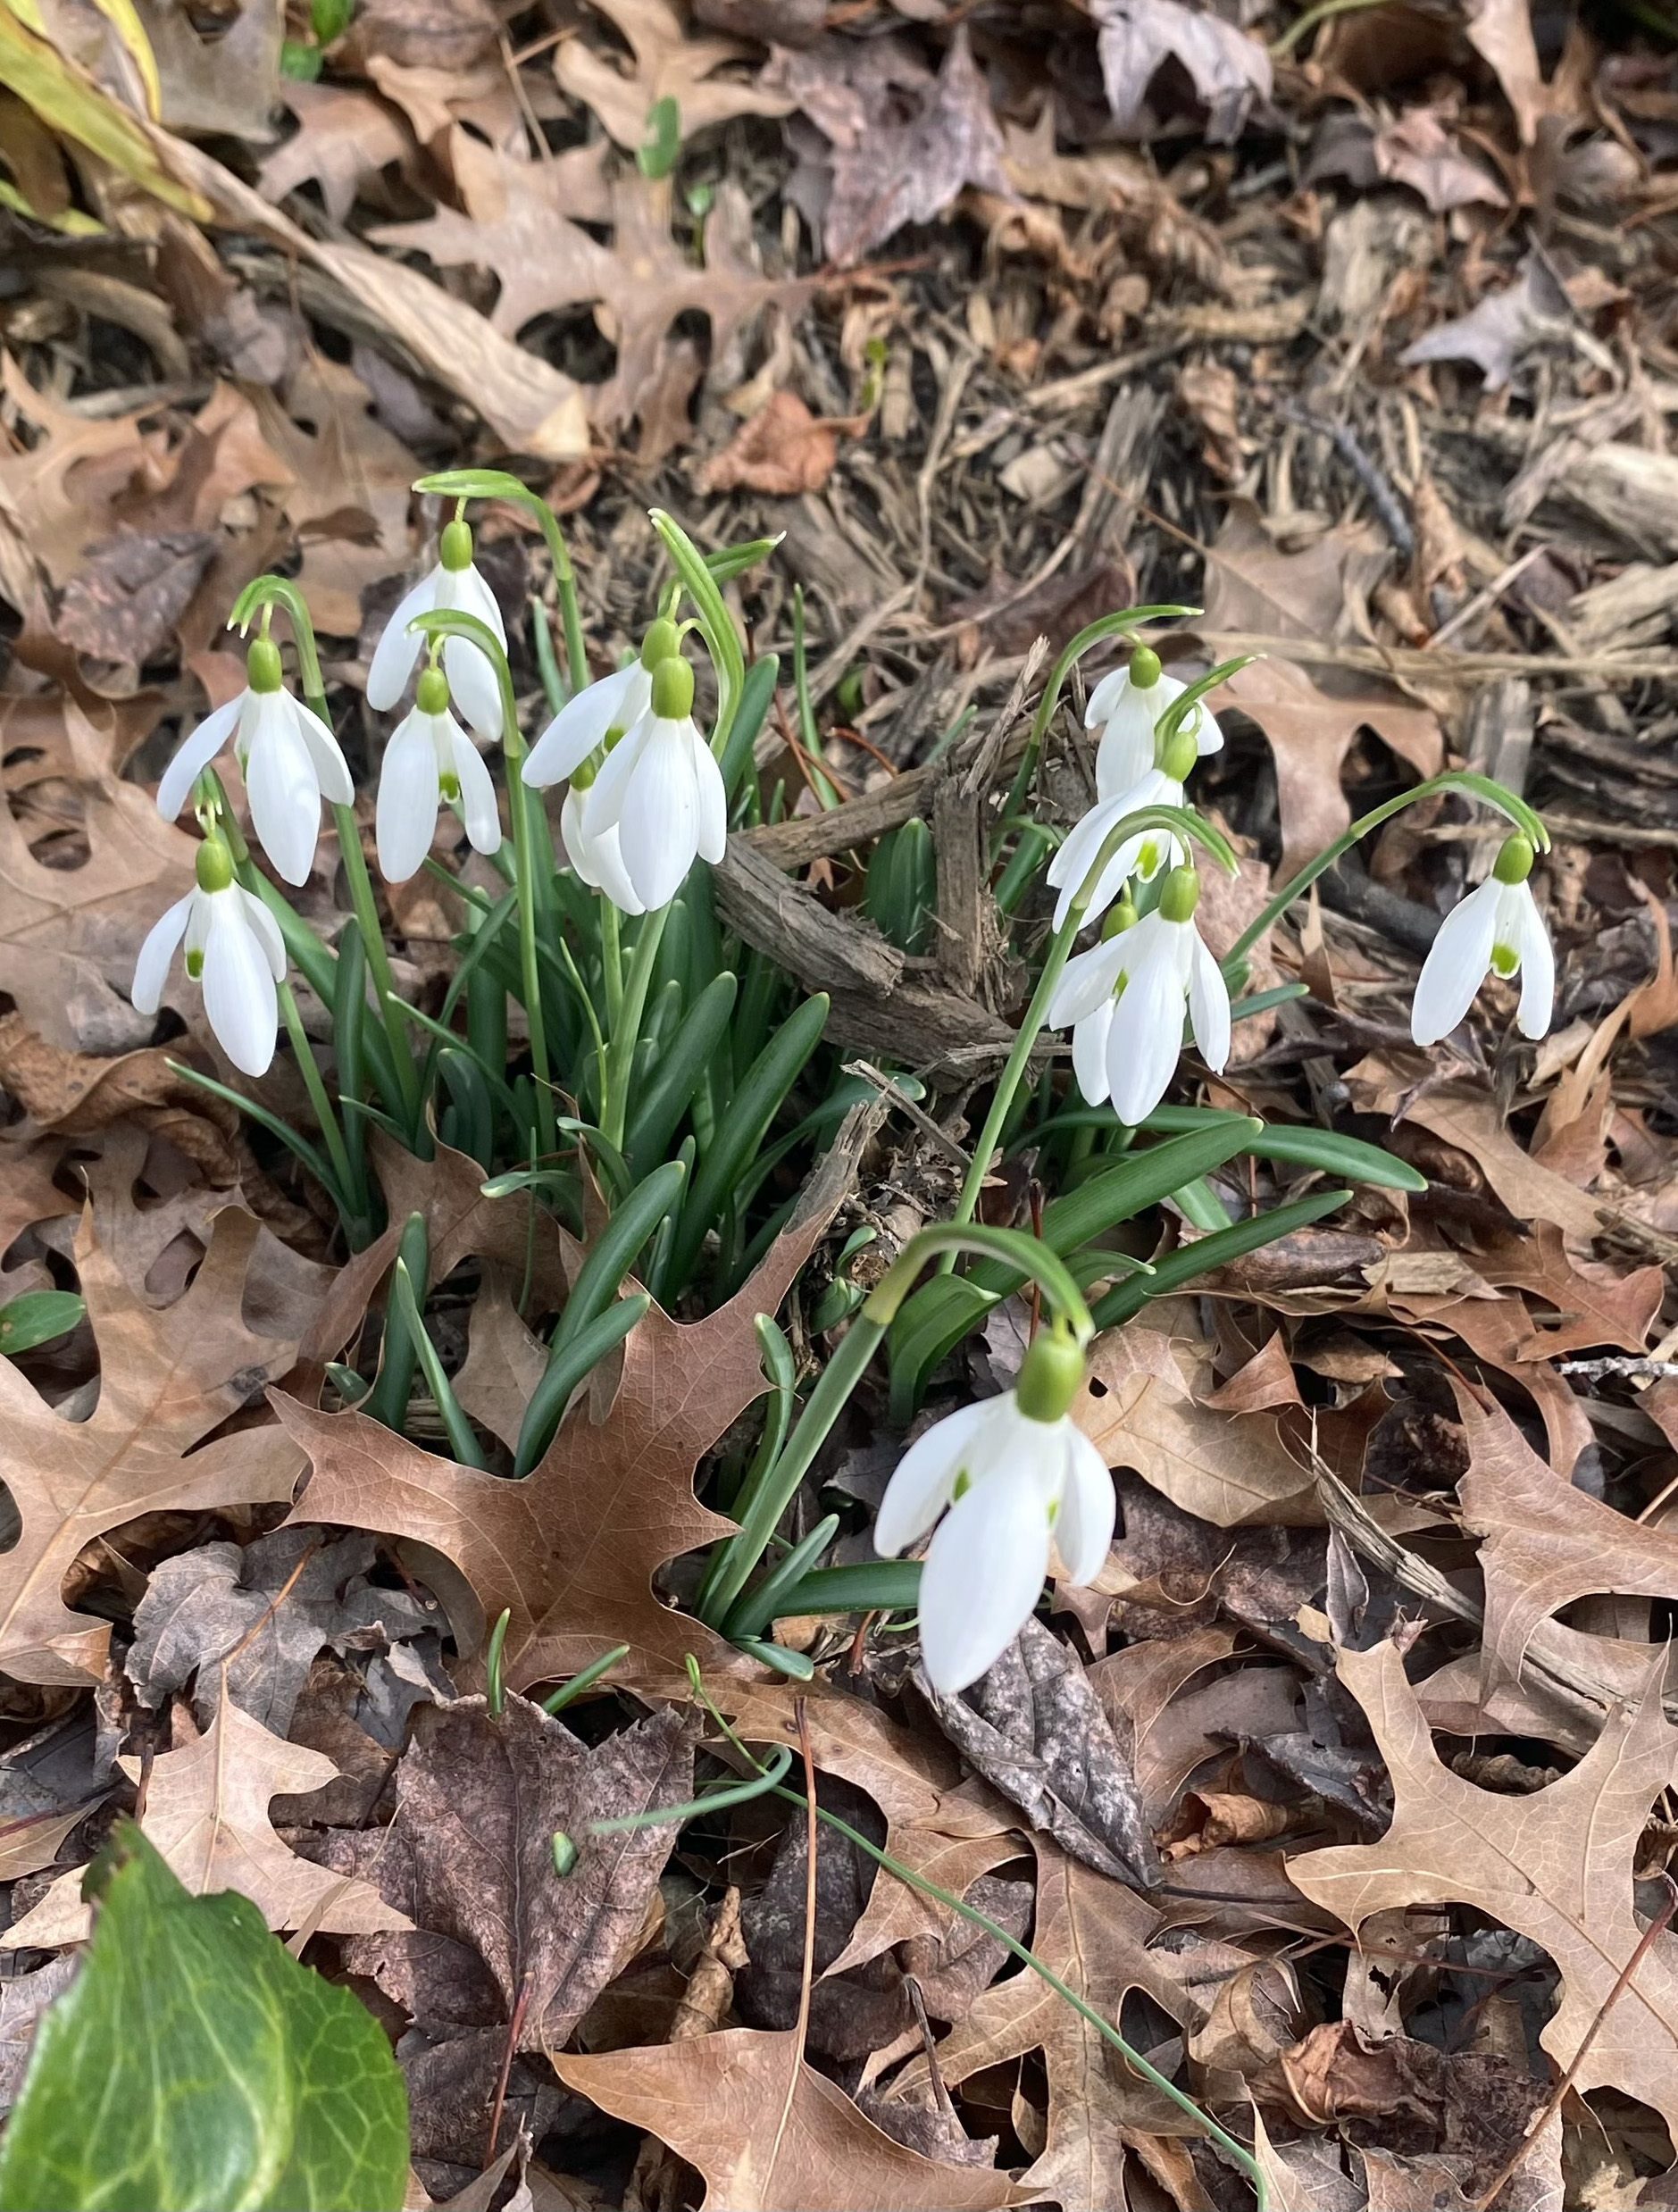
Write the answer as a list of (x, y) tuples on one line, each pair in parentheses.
[(399, 649), (151, 970), (193, 756), (1455, 966)]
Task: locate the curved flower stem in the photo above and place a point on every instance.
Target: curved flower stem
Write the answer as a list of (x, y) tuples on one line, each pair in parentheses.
[(331, 1136), (618, 1065), (450, 623), (1530, 823), (611, 957), (1181, 821), (1091, 634), (263, 594), (771, 1497), (496, 484)]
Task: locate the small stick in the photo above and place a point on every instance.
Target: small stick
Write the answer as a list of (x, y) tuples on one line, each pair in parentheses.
[(500, 2098)]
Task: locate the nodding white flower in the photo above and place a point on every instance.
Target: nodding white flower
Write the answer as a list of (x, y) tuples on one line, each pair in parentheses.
[(453, 583), (600, 711), (1142, 856), (1127, 706), (1025, 1490), (431, 759), (1497, 928), (234, 949), (596, 859), (1125, 998), (662, 791), (288, 757)]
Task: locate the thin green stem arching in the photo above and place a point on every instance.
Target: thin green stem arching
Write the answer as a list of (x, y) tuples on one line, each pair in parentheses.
[(1529, 823), (496, 484), (1090, 635), (619, 1067), (1181, 821), (450, 623), (262, 594)]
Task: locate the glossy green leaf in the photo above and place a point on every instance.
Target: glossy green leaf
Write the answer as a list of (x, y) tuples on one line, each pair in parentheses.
[(37, 1317), (679, 1070), (930, 1324), (195, 2066)]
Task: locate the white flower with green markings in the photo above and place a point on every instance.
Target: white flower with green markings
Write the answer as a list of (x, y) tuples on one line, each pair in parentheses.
[(601, 712), (431, 759), (1125, 998), (288, 757), (234, 950), (1126, 706), (661, 790), (1025, 1492), (1496, 930), (454, 584), (1141, 856)]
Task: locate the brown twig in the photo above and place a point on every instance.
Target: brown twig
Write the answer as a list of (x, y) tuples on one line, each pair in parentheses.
[(807, 1975), (499, 2102), (1552, 2104)]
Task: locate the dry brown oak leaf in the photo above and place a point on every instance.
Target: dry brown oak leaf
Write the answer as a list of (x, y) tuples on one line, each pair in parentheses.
[(1093, 1933), (771, 2134), (206, 1811), (668, 65), (1556, 1867), (1544, 1543), (571, 1551), (167, 1379)]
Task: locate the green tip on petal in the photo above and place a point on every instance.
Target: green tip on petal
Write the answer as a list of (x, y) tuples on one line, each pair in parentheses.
[(213, 866), (430, 694), (672, 689), (262, 671), (1514, 862), (454, 550), (1049, 1375), (663, 642), (1144, 668), (1181, 896)]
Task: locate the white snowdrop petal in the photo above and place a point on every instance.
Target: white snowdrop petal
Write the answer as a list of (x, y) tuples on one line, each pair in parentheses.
[(1537, 969), (1089, 1054), (478, 807), (265, 929), (1145, 1039), (1105, 697), (193, 755), (399, 649), (606, 794), (923, 1479), (472, 595), (332, 769), (1455, 964), (711, 798), (1086, 982), (1125, 754), (658, 827), (283, 789), (472, 685), (1208, 1005), (983, 1576), (151, 970), (240, 997), (581, 726), (1209, 736), (405, 818), (612, 876), (1089, 1505)]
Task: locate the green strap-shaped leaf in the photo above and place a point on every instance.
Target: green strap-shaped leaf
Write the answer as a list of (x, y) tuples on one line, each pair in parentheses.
[(195, 2066)]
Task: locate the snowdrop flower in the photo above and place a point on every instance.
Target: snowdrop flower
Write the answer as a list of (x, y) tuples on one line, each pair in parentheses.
[(453, 583), (1127, 705), (600, 712), (662, 791), (1025, 1490), (1143, 855), (233, 948), (1142, 977), (1084, 996), (430, 758), (1496, 928), (288, 757), (596, 859)]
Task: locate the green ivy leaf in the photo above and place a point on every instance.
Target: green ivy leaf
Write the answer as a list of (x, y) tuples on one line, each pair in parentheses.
[(195, 2066), (37, 1317)]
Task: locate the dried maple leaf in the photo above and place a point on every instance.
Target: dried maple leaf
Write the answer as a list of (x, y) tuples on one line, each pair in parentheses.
[(571, 1551), (771, 2134), (1556, 1867), (1138, 1408), (1230, 73), (1311, 731), (669, 65), (471, 1849), (166, 1380), (343, 138), (206, 1811)]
